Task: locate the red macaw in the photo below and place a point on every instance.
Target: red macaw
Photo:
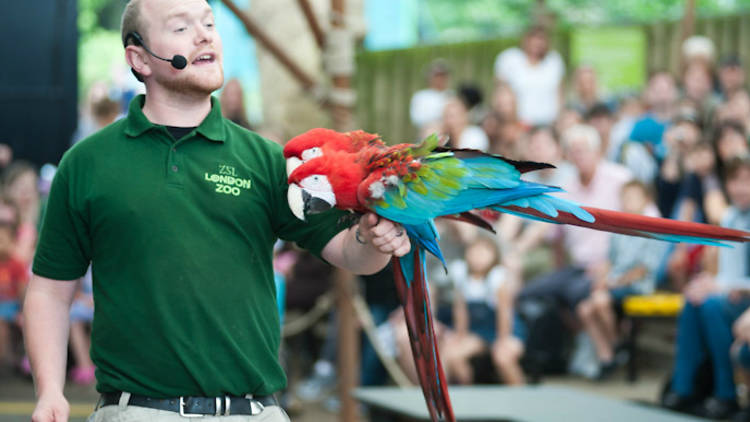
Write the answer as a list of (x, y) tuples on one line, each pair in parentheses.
[(413, 184)]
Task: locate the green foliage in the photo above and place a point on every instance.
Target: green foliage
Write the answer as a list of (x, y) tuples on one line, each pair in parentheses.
[(451, 20)]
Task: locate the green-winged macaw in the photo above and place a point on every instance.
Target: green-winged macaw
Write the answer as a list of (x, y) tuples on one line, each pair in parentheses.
[(414, 184)]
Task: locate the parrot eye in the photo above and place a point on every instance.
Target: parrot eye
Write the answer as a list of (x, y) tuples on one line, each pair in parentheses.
[(316, 183), (311, 153)]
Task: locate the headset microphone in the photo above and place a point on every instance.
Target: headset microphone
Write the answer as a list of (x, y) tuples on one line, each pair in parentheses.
[(177, 61)]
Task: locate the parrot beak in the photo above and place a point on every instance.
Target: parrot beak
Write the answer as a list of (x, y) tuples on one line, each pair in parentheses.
[(302, 202), (291, 164)]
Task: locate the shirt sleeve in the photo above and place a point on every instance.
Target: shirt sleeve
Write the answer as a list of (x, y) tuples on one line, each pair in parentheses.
[(64, 248)]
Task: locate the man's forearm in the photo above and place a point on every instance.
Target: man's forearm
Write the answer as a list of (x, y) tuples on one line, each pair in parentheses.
[(46, 327), (362, 258)]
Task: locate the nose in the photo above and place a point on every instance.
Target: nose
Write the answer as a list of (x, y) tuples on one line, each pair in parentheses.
[(204, 35)]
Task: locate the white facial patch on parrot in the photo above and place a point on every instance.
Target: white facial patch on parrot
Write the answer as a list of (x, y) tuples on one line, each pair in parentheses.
[(318, 186), (311, 153), (291, 164), (392, 180), (377, 190)]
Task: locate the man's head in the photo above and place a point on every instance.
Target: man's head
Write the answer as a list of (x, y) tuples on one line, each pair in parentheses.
[(582, 148), (731, 74), (168, 28), (737, 174), (439, 75), (535, 42), (661, 92)]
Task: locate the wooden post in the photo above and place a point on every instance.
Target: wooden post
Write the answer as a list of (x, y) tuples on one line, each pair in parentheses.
[(341, 113), (313, 22), (253, 29), (688, 20)]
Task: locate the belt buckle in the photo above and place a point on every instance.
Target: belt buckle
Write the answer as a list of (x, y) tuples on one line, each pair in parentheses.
[(187, 415), (256, 407)]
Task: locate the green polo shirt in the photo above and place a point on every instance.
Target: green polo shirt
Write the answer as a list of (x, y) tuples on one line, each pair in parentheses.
[(180, 236)]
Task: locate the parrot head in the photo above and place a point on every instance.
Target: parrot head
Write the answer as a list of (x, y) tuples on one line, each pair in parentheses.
[(324, 182), (318, 141)]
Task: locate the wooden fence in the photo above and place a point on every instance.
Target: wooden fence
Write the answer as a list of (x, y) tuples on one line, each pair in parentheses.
[(386, 80)]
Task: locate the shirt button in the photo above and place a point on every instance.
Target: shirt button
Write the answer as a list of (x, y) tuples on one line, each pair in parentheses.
[(174, 169)]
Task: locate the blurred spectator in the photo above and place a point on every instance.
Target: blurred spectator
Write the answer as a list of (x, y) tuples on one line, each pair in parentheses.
[(501, 124), (698, 48), (597, 184), (633, 264), (461, 133), (6, 155), (703, 330), (483, 315), (13, 278), (697, 86), (567, 118), (585, 91), (471, 95), (382, 300), (100, 109), (628, 113), (529, 241), (681, 137), (736, 108), (661, 99), (232, 102), (535, 74), (19, 182), (731, 76), (426, 105), (600, 117), (81, 316), (729, 142)]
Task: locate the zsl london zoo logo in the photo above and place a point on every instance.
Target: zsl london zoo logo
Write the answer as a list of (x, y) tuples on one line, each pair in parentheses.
[(227, 181)]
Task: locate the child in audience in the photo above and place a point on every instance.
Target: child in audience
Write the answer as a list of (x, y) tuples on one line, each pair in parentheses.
[(20, 184), (483, 316), (13, 278), (633, 263)]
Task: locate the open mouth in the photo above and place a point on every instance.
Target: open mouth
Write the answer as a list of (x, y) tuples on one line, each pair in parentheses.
[(204, 59)]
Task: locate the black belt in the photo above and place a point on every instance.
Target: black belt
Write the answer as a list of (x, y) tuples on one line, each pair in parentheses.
[(196, 406)]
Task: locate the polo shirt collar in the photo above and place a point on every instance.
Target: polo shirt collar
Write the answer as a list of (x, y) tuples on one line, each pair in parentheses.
[(211, 127)]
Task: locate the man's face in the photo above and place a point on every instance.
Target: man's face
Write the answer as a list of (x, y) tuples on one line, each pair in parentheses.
[(184, 27), (583, 155), (738, 187)]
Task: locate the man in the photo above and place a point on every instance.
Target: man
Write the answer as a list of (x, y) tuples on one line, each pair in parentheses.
[(426, 105), (535, 74), (177, 209)]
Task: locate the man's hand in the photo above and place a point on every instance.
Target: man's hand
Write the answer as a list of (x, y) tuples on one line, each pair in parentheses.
[(385, 235), (51, 408)]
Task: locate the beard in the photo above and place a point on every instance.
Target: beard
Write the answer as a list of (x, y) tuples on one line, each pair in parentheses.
[(201, 84)]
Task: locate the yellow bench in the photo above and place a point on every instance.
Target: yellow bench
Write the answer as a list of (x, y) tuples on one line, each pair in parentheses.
[(659, 305)]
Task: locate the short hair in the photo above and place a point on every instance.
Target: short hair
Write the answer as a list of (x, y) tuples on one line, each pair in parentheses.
[(598, 110), (131, 22), (735, 165), (582, 131)]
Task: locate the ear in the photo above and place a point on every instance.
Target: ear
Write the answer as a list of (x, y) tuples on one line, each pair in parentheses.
[(137, 59)]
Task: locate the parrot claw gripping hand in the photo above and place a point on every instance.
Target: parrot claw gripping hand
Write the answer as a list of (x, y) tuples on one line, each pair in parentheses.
[(414, 184)]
